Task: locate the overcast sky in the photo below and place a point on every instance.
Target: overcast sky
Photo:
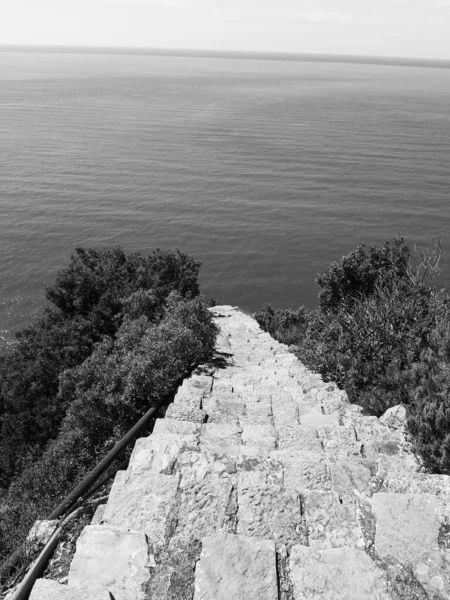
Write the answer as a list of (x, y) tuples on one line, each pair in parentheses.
[(410, 28)]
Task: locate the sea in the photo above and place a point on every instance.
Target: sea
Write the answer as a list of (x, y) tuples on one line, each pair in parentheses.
[(265, 168)]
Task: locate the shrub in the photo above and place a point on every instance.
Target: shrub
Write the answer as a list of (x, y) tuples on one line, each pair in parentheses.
[(122, 332), (429, 410), (91, 299), (382, 333), (106, 395), (285, 325)]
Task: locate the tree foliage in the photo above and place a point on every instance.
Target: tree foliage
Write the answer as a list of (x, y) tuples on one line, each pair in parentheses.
[(90, 299), (120, 333), (381, 331)]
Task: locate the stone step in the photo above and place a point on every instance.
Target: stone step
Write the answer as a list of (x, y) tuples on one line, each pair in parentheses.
[(336, 574), (143, 502), (185, 413), (159, 452), (332, 520), (168, 425), (406, 525), (268, 510), (46, 589), (237, 567), (107, 559)]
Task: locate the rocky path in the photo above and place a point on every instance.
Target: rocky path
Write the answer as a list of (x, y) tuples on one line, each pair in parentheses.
[(263, 483)]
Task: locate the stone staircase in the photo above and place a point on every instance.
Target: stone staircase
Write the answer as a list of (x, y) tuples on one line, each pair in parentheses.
[(263, 483)]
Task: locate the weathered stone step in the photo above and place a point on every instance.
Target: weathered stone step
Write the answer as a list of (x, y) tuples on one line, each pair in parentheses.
[(46, 589), (107, 560), (142, 502), (238, 567), (336, 574)]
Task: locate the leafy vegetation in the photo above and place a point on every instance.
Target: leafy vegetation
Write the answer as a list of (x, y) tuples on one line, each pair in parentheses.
[(121, 331), (382, 332)]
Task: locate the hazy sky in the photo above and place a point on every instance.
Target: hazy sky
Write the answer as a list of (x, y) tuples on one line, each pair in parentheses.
[(411, 28)]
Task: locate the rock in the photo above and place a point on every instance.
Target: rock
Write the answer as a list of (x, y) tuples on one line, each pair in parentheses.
[(203, 508), (259, 436), (142, 502), (331, 520), (432, 570), (185, 413), (236, 567), (304, 470), (336, 574), (111, 559), (349, 475), (40, 534), (267, 510), (167, 425), (97, 519), (406, 525), (395, 417), (46, 589)]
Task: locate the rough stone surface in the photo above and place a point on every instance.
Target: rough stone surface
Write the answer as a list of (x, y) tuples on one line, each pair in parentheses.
[(107, 560), (407, 525), (432, 570), (332, 520), (46, 589), (142, 503), (237, 567), (336, 574), (263, 482), (40, 534)]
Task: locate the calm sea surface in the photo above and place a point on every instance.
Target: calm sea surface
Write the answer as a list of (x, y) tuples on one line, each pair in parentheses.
[(266, 171)]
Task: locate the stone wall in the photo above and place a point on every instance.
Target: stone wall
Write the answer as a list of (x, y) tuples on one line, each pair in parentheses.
[(263, 483)]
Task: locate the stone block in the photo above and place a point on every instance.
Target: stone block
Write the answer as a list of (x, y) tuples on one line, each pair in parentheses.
[(406, 525), (332, 520), (111, 559), (144, 503), (220, 432), (46, 589), (205, 507), (259, 436), (303, 470), (336, 574), (185, 413), (419, 484), (177, 427), (318, 419), (267, 510), (299, 438), (284, 413), (157, 452), (236, 567), (350, 475)]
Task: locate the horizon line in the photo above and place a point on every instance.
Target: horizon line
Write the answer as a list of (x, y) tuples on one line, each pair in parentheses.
[(230, 54)]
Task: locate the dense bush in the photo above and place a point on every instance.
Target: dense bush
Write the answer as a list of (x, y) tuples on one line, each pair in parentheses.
[(285, 325), (381, 331), (119, 355), (429, 408), (90, 299)]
